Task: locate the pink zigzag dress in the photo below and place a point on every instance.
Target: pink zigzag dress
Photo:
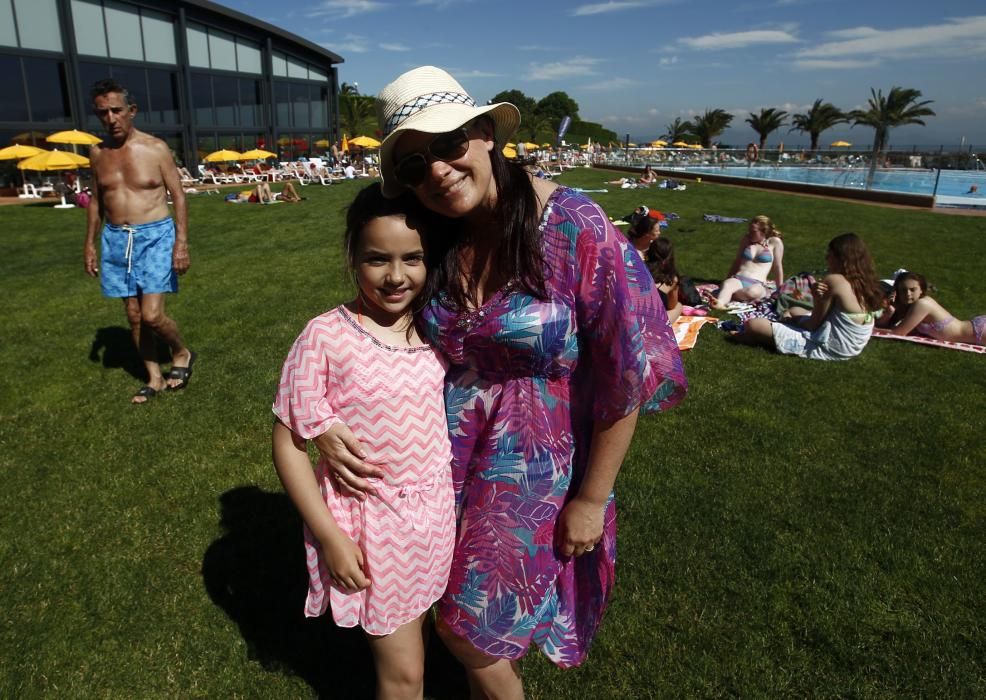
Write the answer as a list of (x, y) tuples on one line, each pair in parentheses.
[(391, 398)]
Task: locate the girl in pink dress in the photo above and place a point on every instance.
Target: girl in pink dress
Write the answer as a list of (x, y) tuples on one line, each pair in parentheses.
[(361, 374)]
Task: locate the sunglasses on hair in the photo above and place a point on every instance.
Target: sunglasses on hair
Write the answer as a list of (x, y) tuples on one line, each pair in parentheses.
[(412, 169)]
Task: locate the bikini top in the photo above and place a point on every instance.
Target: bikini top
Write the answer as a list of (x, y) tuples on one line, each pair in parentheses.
[(765, 255), (933, 328)]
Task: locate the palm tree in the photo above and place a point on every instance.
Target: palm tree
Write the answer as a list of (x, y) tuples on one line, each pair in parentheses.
[(535, 125), (766, 123), (899, 108), (349, 89), (356, 114), (677, 130), (711, 124), (821, 117)]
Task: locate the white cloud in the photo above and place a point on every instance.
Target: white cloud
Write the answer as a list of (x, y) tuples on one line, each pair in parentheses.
[(536, 47), (667, 61), (475, 73), (442, 4), (834, 64), (739, 40), (603, 7), (611, 84), (343, 9), (394, 47), (956, 37), (575, 67), (353, 43)]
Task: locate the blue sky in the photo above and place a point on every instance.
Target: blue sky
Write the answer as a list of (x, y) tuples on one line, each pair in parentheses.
[(636, 65)]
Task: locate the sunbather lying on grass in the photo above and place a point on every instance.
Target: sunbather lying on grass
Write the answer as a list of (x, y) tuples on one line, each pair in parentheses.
[(913, 311)]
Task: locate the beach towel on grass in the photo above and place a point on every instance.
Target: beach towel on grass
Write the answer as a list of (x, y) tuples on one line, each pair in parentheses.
[(921, 340), (686, 330)]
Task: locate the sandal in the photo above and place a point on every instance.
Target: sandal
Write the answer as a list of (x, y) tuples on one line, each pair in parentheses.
[(145, 392), (182, 374)]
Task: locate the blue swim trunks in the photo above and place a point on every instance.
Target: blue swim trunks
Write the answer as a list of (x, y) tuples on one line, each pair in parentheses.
[(137, 259)]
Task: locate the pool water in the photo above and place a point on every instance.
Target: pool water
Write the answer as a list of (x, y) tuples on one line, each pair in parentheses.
[(951, 184)]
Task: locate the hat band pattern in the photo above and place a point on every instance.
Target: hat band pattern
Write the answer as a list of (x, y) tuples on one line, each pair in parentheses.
[(423, 101)]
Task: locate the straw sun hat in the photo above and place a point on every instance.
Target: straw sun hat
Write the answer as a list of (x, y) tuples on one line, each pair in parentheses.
[(430, 100)]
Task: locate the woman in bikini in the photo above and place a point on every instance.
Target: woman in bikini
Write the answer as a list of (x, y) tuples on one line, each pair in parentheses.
[(915, 312), (761, 251)]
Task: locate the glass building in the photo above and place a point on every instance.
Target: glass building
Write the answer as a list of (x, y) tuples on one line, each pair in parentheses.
[(204, 77)]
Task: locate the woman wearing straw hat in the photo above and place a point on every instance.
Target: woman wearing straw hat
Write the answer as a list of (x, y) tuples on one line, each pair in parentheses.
[(556, 339)]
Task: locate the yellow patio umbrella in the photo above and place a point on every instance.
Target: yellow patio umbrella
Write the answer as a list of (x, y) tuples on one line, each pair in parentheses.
[(840, 144), (694, 145), (54, 160), (680, 144), (19, 151), (508, 144), (364, 142), (658, 144), (323, 143), (27, 136), (509, 152), (545, 145), (257, 154), (345, 144), (74, 136), (531, 146), (222, 155)]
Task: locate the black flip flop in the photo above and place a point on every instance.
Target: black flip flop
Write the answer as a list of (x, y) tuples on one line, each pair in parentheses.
[(182, 374), (147, 392)]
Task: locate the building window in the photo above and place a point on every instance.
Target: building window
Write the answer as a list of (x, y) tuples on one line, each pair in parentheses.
[(282, 103), (47, 90), (134, 33), (90, 32), (251, 103), (159, 37), (123, 31), (226, 101), (13, 108), (163, 92), (8, 33), (300, 116), (279, 65), (37, 25), (211, 48), (202, 100)]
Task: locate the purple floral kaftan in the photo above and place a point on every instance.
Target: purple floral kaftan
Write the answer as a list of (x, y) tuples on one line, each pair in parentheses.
[(526, 382)]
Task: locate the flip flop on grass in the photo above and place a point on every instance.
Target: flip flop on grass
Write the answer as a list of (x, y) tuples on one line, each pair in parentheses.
[(182, 374), (145, 392)]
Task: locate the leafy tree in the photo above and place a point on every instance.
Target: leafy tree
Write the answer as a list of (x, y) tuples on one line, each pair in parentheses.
[(557, 105), (899, 108), (348, 89), (535, 127), (706, 127), (583, 131), (767, 122), (677, 130), (357, 114), (821, 117), (526, 105)]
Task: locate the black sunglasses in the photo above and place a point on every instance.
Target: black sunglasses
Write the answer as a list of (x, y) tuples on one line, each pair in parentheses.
[(412, 169)]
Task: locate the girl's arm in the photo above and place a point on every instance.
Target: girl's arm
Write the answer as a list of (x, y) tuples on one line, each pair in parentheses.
[(917, 312), (822, 301), (343, 558), (779, 261), (580, 523)]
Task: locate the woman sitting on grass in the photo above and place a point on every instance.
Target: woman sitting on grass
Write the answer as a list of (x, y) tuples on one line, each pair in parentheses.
[(761, 251), (649, 177), (914, 311), (840, 323), (660, 262)]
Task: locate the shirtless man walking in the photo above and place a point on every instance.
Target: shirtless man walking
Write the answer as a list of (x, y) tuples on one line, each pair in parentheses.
[(143, 248)]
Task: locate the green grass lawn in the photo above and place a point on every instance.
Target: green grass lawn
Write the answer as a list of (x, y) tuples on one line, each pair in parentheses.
[(794, 528)]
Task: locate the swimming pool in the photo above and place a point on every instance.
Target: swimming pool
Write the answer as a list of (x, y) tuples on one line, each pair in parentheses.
[(955, 187)]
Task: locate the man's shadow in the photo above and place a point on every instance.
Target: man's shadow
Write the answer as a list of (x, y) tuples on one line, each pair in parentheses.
[(114, 347), (256, 573)]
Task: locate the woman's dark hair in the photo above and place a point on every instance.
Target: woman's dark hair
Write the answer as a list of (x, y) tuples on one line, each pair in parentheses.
[(857, 267), (370, 204), (519, 256), (660, 261), (642, 226), (899, 309)]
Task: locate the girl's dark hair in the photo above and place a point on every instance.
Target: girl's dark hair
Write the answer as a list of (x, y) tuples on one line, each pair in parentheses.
[(519, 256), (857, 267), (660, 261), (642, 226), (370, 204), (899, 309)]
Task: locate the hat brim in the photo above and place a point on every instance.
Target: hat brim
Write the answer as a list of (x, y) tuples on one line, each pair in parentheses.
[(438, 119)]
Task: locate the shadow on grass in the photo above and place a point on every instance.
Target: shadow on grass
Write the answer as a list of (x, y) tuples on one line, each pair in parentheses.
[(256, 573), (114, 347)]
